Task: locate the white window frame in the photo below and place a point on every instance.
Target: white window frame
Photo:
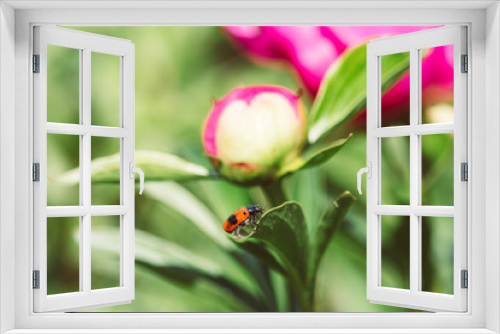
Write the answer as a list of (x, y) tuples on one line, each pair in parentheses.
[(16, 217)]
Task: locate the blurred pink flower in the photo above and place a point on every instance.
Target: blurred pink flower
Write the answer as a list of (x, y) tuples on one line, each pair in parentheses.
[(311, 51), (253, 132)]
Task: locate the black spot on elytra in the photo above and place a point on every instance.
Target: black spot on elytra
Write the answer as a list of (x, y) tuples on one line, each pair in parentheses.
[(232, 220)]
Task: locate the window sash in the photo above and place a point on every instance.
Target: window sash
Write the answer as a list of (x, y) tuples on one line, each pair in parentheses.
[(86, 43), (414, 297)]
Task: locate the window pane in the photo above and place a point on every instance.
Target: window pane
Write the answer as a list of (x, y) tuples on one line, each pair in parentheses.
[(395, 171), (105, 90), (395, 104), (63, 85), (437, 254), (63, 255), (105, 259), (108, 192), (395, 239), (63, 173), (437, 169), (437, 84)]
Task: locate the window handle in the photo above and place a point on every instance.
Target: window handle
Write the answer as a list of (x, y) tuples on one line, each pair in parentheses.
[(134, 170), (368, 171)]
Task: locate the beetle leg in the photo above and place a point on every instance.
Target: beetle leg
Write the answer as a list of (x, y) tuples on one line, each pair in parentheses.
[(240, 226), (252, 222), (237, 231)]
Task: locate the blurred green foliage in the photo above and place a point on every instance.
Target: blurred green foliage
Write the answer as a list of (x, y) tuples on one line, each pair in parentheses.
[(179, 70)]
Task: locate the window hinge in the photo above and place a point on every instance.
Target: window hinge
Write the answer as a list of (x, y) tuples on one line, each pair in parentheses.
[(465, 64), (464, 171), (36, 172), (36, 63), (465, 279), (36, 279)]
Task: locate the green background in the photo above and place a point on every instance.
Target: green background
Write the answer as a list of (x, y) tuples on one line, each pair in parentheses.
[(179, 71)]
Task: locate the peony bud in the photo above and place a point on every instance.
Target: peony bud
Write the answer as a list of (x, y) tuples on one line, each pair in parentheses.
[(254, 132)]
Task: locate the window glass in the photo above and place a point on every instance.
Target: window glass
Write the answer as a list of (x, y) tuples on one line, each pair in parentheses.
[(437, 84), (63, 170), (63, 75), (105, 90), (107, 191), (63, 255), (395, 170), (395, 105), (437, 169), (437, 254), (106, 245), (395, 232)]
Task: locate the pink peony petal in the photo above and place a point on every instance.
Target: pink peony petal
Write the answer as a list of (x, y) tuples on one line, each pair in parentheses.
[(311, 51)]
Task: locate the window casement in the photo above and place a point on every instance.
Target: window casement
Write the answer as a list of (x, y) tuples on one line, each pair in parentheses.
[(416, 208), (86, 45), (482, 20)]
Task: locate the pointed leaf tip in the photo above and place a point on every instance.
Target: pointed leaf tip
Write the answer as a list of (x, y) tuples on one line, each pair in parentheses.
[(329, 222), (157, 166), (316, 158)]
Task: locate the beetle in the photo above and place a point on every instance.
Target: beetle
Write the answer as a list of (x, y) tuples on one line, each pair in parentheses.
[(240, 218)]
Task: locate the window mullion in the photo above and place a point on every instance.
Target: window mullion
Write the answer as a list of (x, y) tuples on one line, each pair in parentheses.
[(85, 161), (80, 130), (415, 267), (418, 134), (420, 129)]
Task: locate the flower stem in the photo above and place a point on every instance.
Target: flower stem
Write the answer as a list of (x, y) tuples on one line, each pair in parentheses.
[(274, 193)]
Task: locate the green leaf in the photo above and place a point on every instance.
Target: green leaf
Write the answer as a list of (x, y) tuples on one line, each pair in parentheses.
[(283, 229), (328, 224), (153, 250), (189, 277), (342, 92), (175, 263), (315, 158), (155, 165), (187, 204), (262, 252), (180, 199)]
